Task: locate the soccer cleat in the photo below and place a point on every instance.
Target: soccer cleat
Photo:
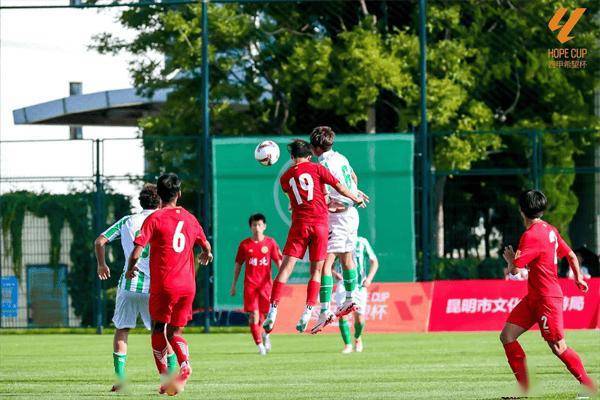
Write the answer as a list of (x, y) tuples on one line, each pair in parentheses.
[(262, 350), (346, 308), (358, 345), (270, 320), (117, 387), (267, 341), (177, 385), (162, 389), (304, 319), (588, 390), (347, 349), (325, 318)]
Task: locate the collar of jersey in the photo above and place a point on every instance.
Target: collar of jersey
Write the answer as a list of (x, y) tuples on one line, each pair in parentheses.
[(326, 154)]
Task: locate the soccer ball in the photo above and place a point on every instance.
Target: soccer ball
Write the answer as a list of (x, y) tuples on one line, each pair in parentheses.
[(267, 153)]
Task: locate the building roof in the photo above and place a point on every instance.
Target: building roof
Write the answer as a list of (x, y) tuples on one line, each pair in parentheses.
[(122, 107)]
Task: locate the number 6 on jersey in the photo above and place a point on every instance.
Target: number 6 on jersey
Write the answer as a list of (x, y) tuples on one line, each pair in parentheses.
[(178, 238)]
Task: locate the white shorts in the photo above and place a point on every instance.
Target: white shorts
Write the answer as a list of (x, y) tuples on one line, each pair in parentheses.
[(343, 231), (359, 296), (128, 306)]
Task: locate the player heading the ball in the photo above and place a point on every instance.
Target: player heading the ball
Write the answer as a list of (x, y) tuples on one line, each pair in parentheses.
[(304, 183)]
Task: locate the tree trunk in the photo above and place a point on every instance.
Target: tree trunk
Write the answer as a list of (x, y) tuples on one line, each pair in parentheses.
[(440, 183), (371, 120)]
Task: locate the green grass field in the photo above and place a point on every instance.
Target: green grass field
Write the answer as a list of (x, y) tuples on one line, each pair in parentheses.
[(402, 366)]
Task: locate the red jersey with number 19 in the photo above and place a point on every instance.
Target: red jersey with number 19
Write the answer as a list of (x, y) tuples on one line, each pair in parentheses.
[(305, 183), (539, 250), (172, 233)]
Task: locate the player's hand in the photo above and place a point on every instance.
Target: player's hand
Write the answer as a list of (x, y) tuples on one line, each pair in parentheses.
[(205, 257), (103, 272), (131, 273), (366, 283), (509, 255), (232, 292), (582, 285)]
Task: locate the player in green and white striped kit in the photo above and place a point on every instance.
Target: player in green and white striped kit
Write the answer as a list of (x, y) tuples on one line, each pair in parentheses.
[(132, 294), (362, 252)]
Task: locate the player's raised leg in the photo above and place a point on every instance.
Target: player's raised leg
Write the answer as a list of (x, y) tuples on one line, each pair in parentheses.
[(325, 315), (514, 353), (286, 269), (350, 278), (312, 294)]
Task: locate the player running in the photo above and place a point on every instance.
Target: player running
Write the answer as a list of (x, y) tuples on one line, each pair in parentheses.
[(172, 232), (343, 227), (304, 182), (132, 294), (362, 252), (539, 249), (257, 252)]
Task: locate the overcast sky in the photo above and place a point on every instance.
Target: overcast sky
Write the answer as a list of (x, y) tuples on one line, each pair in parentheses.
[(41, 51)]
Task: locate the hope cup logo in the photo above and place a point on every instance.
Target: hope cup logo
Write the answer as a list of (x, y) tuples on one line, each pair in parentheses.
[(566, 57)]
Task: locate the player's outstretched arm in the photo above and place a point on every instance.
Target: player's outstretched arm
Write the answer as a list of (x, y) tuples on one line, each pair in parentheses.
[(344, 191), (236, 275), (132, 262), (574, 264), (99, 248)]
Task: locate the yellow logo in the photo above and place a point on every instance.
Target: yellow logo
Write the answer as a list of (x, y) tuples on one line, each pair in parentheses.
[(264, 249), (555, 23)]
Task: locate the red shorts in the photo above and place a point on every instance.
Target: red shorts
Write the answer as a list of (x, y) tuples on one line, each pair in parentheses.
[(302, 235), (170, 308), (546, 311), (257, 298)]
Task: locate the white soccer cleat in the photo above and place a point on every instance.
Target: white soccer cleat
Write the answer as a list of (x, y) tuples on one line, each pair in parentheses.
[(304, 320), (267, 341), (270, 320), (359, 346), (346, 308), (347, 349), (325, 318), (262, 350)]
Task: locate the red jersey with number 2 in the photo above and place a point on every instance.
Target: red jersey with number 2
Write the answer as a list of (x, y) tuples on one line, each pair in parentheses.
[(305, 183), (172, 233), (539, 250), (258, 256)]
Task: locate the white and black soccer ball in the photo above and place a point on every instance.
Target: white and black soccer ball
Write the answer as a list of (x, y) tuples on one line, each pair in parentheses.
[(267, 153)]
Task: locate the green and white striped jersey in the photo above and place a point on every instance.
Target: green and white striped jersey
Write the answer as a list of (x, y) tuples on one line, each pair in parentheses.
[(339, 167), (127, 228), (363, 254)]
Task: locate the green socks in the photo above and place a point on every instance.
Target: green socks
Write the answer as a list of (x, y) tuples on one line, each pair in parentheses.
[(358, 328), (172, 363), (325, 292), (349, 281), (345, 331), (119, 361)]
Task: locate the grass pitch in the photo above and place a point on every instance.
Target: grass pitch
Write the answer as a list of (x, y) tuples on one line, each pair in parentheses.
[(401, 366)]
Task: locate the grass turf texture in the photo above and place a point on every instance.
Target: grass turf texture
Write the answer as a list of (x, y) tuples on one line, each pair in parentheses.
[(226, 366)]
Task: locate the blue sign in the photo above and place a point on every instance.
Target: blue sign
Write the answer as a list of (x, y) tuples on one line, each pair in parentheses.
[(10, 296)]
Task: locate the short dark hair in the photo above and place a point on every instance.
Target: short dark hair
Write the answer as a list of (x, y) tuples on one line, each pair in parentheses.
[(299, 149), (533, 203), (148, 197), (168, 186), (322, 137), (257, 217)]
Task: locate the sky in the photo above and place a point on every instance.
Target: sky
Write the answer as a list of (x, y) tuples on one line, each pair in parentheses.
[(41, 51)]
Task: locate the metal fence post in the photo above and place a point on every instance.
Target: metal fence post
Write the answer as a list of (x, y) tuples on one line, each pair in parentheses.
[(98, 225), (424, 143), (206, 164), (535, 159)]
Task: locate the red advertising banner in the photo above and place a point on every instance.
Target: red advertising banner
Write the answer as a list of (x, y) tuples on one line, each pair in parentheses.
[(476, 305), (391, 307)]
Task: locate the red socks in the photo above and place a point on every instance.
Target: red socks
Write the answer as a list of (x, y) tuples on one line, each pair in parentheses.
[(180, 348), (255, 330), (312, 293), (516, 360), (277, 292), (159, 349), (575, 366)]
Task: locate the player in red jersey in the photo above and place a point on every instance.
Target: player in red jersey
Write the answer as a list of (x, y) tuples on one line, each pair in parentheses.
[(304, 182), (539, 249), (172, 232), (257, 252)]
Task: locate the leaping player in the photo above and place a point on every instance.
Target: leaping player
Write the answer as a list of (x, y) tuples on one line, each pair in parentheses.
[(304, 182), (539, 249)]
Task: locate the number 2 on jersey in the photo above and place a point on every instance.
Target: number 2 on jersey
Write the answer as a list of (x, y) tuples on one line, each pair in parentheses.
[(554, 239), (178, 238), (306, 184)]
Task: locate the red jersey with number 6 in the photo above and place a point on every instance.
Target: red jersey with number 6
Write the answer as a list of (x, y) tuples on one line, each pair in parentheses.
[(172, 233), (539, 250), (305, 183)]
